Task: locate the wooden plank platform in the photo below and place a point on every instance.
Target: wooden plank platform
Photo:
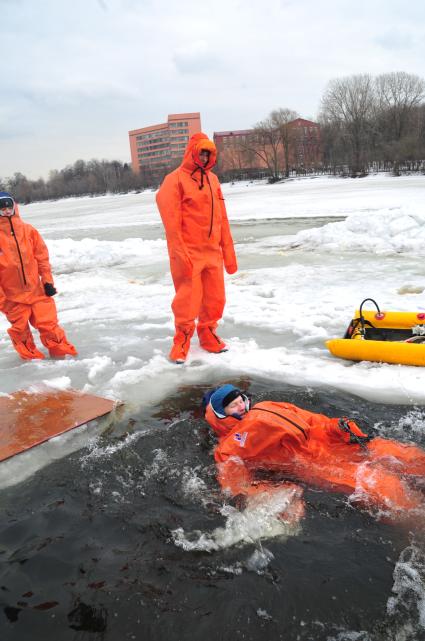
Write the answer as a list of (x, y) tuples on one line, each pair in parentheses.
[(28, 419)]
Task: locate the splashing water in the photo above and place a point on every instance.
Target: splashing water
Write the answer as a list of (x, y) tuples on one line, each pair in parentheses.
[(262, 518)]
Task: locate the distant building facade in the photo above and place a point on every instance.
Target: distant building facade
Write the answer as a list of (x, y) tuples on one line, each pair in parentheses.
[(159, 148), (243, 154), (236, 155), (306, 145)]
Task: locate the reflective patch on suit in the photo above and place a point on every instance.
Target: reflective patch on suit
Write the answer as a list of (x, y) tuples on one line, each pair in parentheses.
[(241, 438)]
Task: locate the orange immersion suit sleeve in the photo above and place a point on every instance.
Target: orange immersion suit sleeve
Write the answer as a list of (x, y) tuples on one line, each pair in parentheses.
[(226, 241), (41, 255), (169, 204), (2, 299)]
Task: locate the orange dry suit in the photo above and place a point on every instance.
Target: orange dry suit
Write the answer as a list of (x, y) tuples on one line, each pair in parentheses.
[(315, 449), (24, 269), (198, 238)]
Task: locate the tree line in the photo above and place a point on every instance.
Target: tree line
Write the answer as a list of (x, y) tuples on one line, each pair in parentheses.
[(365, 123), (94, 177), (374, 122)]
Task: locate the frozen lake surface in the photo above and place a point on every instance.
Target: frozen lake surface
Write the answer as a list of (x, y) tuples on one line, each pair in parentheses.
[(309, 252)]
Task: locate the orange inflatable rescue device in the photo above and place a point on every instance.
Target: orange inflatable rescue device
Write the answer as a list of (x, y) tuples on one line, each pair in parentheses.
[(28, 419)]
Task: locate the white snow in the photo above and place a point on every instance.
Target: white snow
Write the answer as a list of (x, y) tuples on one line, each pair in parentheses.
[(298, 284)]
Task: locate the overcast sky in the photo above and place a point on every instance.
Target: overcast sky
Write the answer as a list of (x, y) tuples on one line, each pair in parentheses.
[(77, 75)]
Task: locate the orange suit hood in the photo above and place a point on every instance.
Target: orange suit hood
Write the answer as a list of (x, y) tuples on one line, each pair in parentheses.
[(221, 426), (196, 144)]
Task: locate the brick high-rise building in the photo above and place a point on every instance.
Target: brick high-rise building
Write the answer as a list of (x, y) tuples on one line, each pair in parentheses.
[(244, 153), (306, 143), (159, 148)]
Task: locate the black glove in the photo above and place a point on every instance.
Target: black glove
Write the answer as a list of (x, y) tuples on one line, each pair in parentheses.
[(50, 290)]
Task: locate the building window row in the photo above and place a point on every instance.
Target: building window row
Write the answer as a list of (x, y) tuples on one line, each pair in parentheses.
[(162, 145), (152, 141), (179, 139), (152, 134), (179, 131), (150, 154), (148, 139), (178, 124)]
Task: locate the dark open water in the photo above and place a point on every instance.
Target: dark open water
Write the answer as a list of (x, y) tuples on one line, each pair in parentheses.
[(131, 539)]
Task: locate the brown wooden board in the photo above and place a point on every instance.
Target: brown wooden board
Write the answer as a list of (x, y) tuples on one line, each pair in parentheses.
[(28, 419)]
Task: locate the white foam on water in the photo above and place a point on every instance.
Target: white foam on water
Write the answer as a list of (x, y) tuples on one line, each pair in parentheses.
[(407, 603), (351, 635), (263, 518), (98, 451), (410, 427), (159, 464), (194, 486), (259, 560), (263, 614), (235, 569)]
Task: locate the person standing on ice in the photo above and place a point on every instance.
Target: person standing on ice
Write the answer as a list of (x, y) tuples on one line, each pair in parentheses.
[(331, 453), (26, 286), (199, 242)]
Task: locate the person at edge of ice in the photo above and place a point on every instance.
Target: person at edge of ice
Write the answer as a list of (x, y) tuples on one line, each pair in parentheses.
[(330, 453), (199, 241), (27, 286)]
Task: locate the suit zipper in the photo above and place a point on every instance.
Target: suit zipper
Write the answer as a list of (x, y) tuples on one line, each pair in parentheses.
[(260, 409), (212, 206), (19, 251)]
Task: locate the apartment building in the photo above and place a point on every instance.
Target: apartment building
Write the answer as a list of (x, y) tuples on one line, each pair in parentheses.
[(159, 148)]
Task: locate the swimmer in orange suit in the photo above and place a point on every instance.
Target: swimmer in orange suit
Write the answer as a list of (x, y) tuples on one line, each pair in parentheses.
[(331, 453)]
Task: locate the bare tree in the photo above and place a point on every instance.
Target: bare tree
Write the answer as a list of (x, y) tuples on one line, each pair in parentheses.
[(398, 96), (265, 144), (232, 157), (350, 103), (281, 119)]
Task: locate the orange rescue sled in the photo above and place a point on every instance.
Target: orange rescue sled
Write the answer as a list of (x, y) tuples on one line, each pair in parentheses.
[(28, 419)]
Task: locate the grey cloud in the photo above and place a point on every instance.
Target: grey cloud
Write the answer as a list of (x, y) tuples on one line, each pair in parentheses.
[(195, 58), (77, 74), (394, 39)]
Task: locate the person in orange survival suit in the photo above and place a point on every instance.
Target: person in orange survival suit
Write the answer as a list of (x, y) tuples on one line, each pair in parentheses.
[(199, 242), (331, 453), (26, 286)]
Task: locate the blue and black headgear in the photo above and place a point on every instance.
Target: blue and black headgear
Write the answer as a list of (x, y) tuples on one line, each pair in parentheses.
[(6, 200), (222, 396)]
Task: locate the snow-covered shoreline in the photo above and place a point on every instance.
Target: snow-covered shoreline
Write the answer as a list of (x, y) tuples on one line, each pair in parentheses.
[(294, 289)]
